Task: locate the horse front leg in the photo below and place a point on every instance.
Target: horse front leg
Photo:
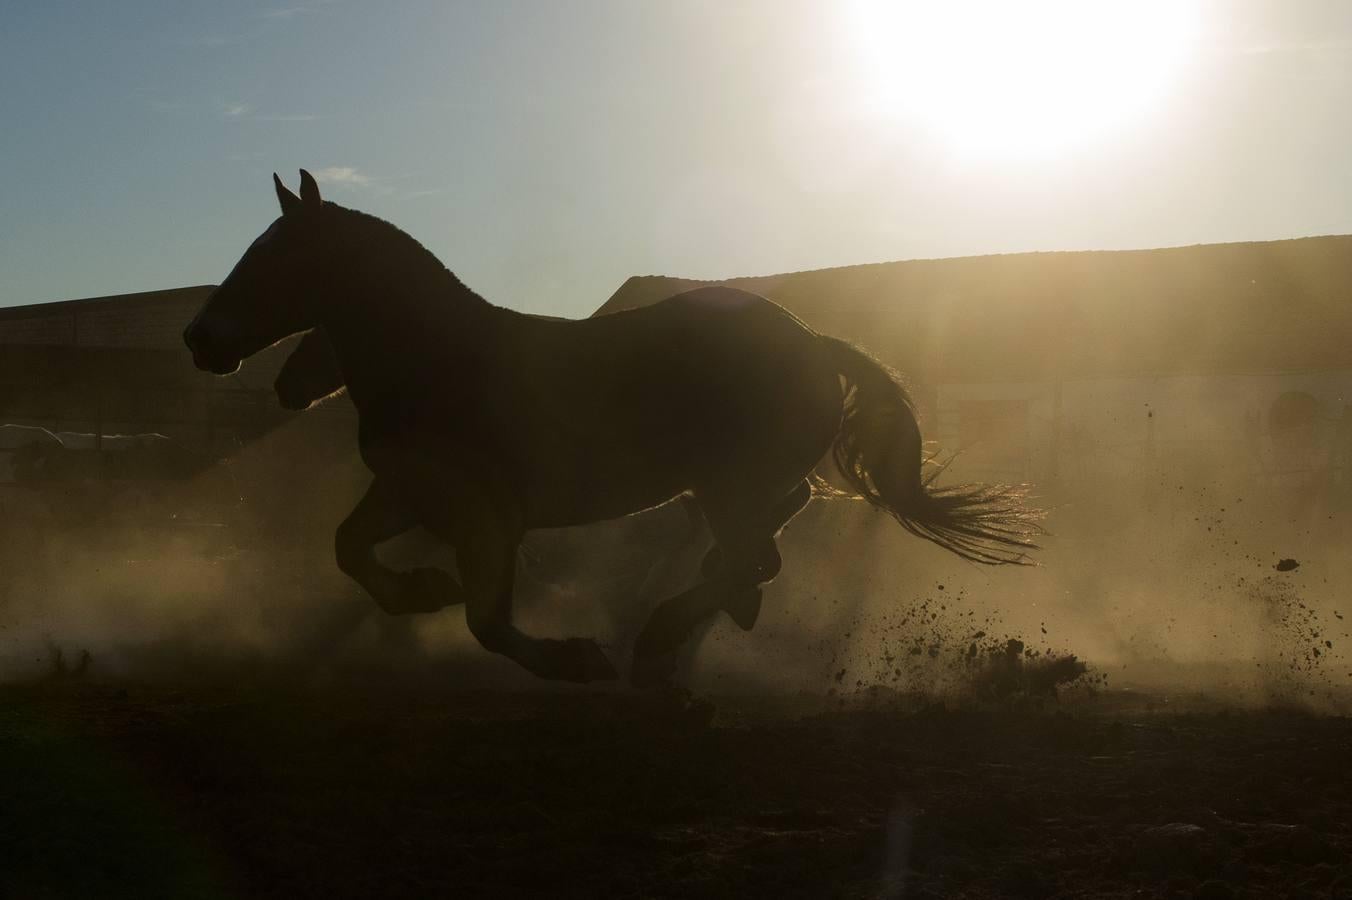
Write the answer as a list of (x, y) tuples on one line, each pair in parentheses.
[(486, 554), (378, 517)]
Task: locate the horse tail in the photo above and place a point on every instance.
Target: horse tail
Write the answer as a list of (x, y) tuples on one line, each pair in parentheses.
[(879, 453)]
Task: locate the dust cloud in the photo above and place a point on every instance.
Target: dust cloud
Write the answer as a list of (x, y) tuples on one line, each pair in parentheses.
[(1185, 569), (1209, 562)]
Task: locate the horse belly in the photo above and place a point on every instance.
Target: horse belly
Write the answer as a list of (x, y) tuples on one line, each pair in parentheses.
[(604, 487)]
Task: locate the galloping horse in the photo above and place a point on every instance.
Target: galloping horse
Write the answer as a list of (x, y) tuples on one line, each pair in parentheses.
[(480, 423)]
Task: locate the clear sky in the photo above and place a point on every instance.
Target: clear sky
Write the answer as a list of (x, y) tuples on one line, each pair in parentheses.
[(547, 150)]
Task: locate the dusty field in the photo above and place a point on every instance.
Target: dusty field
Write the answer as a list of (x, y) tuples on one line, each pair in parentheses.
[(268, 791)]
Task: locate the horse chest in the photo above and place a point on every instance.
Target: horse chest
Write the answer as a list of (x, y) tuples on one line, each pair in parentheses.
[(560, 452)]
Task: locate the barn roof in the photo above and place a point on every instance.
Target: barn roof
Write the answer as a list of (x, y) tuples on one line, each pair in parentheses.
[(1246, 307)]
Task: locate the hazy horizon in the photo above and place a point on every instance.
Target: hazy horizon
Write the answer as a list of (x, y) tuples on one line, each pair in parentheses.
[(547, 152)]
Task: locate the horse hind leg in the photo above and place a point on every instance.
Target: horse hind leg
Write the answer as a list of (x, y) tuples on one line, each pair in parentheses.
[(744, 558), (753, 552)]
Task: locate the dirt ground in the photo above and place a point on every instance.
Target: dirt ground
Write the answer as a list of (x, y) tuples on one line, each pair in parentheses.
[(380, 790)]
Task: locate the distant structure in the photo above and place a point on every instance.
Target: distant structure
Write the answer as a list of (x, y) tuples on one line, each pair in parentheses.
[(105, 421), (117, 365)]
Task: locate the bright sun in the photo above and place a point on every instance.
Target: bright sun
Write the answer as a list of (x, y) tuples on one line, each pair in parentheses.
[(1018, 78)]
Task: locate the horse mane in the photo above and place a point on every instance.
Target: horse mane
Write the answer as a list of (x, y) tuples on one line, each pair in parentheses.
[(398, 258)]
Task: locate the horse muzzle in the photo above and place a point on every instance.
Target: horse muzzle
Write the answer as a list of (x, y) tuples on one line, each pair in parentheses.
[(208, 358), (216, 365)]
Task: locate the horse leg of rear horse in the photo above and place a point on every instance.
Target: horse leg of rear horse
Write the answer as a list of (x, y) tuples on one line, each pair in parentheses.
[(486, 552), (744, 558), (379, 516)]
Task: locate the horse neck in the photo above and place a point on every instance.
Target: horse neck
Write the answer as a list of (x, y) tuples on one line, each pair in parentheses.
[(389, 330)]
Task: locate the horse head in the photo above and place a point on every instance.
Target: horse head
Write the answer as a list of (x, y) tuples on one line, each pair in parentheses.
[(310, 374), (272, 292)]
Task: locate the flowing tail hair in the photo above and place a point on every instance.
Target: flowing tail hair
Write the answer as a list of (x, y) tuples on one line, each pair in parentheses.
[(879, 453)]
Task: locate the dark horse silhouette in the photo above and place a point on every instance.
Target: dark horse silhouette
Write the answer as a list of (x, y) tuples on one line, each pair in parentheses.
[(480, 423), (311, 373)]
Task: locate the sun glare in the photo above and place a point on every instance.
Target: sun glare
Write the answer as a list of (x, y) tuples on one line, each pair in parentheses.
[(1035, 78)]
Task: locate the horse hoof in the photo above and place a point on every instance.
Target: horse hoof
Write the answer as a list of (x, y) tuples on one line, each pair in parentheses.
[(582, 660), (744, 608)]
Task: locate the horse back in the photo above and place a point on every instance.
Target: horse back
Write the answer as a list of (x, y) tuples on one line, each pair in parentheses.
[(621, 412)]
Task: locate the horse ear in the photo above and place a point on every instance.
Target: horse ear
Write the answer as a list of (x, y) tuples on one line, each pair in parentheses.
[(289, 201), (309, 190)]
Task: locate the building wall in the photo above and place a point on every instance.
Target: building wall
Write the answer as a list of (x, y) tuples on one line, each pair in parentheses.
[(153, 320), (113, 365)]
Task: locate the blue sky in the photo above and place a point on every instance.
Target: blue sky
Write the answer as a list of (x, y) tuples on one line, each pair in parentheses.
[(547, 150)]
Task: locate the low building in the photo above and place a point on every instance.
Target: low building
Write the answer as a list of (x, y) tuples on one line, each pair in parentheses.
[(117, 365)]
